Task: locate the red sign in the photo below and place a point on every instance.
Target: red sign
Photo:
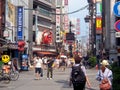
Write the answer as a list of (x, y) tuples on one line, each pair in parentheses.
[(21, 45), (47, 37), (117, 25)]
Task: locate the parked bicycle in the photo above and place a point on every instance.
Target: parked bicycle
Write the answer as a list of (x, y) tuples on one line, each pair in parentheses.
[(14, 74), (4, 75)]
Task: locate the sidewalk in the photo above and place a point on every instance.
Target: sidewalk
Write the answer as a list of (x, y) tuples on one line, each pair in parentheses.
[(59, 82)]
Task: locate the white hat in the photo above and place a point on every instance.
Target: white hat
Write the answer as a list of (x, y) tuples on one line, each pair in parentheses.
[(104, 62)]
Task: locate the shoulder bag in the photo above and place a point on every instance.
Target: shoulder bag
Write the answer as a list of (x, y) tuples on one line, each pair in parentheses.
[(105, 84)]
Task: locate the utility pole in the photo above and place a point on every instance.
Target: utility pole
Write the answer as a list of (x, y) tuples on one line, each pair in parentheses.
[(70, 46)]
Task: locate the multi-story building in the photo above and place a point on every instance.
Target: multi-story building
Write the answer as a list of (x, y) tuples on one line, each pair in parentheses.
[(102, 30), (44, 27), (2, 24), (15, 27)]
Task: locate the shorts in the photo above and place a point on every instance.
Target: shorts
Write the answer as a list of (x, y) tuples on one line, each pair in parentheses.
[(38, 70)]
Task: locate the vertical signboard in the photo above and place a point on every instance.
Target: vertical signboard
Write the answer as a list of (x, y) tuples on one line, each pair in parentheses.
[(10, 19), (57, 25), (98, 25), (66, 22), (98, 9), (66, 2), (19, 22), (57, 17), (78, 26)]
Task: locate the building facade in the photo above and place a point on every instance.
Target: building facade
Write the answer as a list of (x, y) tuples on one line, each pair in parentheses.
[(44, 27)]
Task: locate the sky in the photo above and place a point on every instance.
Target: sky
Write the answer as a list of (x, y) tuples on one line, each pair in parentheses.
[(74, 5)]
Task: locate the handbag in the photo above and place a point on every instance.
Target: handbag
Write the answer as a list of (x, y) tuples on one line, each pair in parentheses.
[(105, 84)]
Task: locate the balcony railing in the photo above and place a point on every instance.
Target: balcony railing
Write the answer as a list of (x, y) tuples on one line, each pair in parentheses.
[(44, 12), (48, 2)]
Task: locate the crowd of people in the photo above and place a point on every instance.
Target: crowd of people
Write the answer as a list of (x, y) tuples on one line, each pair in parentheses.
[(48, 63), (51, 63)]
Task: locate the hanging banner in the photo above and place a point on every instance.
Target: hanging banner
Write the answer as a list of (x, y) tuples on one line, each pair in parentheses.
[(98, 23), (98, 9), (19, 22)]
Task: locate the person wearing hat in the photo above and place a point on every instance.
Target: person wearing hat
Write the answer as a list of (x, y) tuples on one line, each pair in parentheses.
[(104, 72)]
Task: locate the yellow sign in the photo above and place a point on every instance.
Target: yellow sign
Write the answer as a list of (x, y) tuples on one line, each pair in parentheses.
[(98, 23), (5, 58)]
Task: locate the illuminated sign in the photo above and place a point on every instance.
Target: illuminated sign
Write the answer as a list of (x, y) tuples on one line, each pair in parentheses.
[(98, 23)]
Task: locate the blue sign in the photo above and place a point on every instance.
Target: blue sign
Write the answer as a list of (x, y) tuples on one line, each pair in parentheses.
[(117, 25), (117, 9), (24, 65), (19, 22), (25, 56)]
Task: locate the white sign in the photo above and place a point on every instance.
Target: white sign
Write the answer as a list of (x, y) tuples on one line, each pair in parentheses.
[(6, 33), (117, 34), (58, 17)]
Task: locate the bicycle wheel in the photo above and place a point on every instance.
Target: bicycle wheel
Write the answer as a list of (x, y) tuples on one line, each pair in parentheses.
[(14, 75), (6, 79)]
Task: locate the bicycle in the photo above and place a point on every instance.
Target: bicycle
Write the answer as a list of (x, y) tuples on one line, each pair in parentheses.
[(14, 73), (4, 77)]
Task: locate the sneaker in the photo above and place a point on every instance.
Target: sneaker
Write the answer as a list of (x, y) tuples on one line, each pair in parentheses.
[(50, 78), (47, 78)]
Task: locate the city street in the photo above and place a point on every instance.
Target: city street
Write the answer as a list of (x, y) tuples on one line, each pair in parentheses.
[(59, 82)]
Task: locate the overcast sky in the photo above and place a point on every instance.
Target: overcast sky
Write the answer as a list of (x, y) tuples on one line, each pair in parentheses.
[(75, 5)]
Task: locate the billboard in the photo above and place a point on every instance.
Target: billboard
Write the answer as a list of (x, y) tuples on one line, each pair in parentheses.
[(10, 14), (98, 9), (10, 19), (98, 23)]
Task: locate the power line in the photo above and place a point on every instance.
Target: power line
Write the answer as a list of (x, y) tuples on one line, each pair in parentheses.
[(62, 13), (72, 11)]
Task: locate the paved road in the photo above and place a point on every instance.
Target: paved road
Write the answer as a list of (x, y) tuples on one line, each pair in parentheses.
[(59, 82)]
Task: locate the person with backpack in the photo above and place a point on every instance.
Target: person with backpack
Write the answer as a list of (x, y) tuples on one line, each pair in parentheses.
[(78, 75)]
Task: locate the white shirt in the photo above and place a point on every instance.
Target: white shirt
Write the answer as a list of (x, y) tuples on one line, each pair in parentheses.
[(38, 63), (107, 74)]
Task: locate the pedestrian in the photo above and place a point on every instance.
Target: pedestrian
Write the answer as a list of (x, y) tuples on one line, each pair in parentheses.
[(50, 62), (63, 64), (38, 67), (82, 77), (105, 74)]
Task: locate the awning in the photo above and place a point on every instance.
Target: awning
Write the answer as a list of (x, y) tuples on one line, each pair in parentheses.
[(42, 53)]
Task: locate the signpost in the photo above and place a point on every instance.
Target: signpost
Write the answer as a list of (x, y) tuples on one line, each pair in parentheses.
[(117, 25), (117, 9)]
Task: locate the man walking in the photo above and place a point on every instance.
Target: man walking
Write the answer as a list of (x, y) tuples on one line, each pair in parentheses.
[(50, 62)]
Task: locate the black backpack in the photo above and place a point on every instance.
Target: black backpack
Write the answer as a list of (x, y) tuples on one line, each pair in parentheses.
[(77, 75)]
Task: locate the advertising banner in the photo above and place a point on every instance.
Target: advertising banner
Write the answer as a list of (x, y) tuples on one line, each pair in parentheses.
[(98, 23), (10, 20), (24, 65), (19, 22), (98, 9), (10, 15)]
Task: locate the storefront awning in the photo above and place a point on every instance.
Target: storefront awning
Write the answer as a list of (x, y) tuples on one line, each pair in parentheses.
[(43, 53)]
